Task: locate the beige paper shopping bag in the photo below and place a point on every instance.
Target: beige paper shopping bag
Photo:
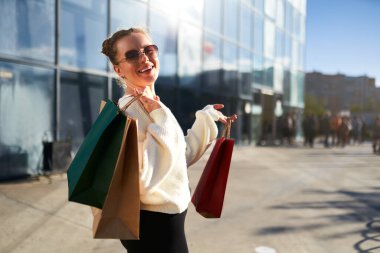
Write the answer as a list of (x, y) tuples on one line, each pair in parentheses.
[(120, 216)]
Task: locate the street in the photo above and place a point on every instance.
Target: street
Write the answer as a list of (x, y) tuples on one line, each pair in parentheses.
[(288, 199)]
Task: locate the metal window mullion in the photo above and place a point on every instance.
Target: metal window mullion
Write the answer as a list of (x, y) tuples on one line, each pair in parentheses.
[(108, 69), (57, 93)]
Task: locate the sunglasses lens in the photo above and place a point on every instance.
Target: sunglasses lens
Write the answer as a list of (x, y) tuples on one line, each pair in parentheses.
[(151, 51), (132, 55)]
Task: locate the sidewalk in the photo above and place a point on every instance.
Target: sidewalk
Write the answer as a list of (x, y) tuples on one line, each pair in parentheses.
[(292, 200)]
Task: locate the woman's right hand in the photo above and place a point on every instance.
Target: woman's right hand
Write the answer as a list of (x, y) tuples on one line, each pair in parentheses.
[(223, 118)]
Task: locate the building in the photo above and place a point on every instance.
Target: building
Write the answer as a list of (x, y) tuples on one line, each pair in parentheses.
[(340, 93), (248, 55)]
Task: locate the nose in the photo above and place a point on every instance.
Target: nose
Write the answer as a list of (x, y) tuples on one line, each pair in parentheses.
[(143, 57)]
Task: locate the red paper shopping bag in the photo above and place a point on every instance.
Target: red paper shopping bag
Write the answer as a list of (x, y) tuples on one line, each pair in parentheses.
[(208, 196)]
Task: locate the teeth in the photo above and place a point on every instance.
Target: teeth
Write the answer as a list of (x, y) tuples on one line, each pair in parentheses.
[(143, 70)]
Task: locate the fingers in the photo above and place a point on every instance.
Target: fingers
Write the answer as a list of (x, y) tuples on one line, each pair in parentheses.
[(146, 100), (233, 118), (137, 92), (148, 103), (218, 106), (223, 118), (145, 92)]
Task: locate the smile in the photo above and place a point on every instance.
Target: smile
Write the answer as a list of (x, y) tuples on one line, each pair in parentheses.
[(145, 69)]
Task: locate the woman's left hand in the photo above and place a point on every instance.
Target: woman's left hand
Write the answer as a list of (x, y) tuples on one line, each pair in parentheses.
[(148, 100), (223, 118)]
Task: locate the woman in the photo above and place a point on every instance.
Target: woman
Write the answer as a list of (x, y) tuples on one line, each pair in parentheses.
[(165, 153)]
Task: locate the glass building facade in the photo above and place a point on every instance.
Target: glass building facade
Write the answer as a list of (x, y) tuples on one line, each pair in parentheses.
[(246, 54)]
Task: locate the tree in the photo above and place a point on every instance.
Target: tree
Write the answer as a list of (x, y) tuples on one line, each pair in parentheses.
[(312, 106)]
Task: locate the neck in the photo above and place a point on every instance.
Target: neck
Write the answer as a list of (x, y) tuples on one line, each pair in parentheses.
[(148, 90)]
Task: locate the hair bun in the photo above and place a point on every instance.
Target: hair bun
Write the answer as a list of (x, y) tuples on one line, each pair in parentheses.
[(109, 45)]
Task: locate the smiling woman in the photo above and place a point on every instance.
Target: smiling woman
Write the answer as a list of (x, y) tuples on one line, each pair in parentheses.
[(134, 59), (164, 152)]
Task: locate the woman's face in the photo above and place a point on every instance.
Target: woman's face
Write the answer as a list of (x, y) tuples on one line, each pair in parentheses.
[(141, 72)]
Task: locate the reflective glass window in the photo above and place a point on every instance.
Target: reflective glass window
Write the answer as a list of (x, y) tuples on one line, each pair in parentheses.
[(170, 7), (288, 17), (245, 68), (258, 69), (27, 29), (187, 106), (279, 44), (245, 27), (293, 89), (230, 19), (192, 11), (269, 39), (268, 66), (212, 62), (81, 95), (295, 51), (213, 15), (287, 50), (286, 88), (301, 53), (280, 13), (270, 8), (302, 7), (302, 29), (259, 4), (26, 115), (301, 87), (278, 77), (258, 34), (296, 23), (168, 95), (117, 90), (230, 68), (190, 55), (128, 13), (83, 27), (163, 30)]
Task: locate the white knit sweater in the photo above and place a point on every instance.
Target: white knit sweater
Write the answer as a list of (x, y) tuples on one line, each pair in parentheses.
[(165, 153)]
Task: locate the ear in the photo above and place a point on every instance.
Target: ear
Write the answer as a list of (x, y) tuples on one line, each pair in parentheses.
[(117, 70)]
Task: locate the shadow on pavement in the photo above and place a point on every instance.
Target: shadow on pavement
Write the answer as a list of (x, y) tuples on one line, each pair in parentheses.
[(364, 207)]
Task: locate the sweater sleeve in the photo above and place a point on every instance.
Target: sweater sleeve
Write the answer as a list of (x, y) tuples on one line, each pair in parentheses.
[(159, 151), (201, 134)]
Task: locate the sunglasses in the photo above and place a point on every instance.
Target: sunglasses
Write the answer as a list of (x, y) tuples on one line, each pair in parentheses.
[(133, 56)]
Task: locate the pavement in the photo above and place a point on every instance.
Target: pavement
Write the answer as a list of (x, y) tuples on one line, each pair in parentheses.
[(278, 200)]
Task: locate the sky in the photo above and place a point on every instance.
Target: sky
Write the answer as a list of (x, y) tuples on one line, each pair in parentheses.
[(343, 36)]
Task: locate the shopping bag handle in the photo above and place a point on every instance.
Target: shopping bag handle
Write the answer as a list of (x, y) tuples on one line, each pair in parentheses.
[(227, 129), (125, 107), (130, 102)]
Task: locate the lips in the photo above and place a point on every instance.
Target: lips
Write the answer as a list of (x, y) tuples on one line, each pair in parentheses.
[(145, 69)]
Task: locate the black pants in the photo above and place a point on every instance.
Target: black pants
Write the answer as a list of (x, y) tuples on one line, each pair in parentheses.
[(159, 232)]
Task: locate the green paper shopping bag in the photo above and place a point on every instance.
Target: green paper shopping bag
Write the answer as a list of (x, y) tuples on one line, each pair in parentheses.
[(120, 216), (91, 171)]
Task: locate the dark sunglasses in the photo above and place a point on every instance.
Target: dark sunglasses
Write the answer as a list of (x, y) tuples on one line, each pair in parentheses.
[(134, 55)]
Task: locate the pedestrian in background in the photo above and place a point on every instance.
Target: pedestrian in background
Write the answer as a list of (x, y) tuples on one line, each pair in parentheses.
[(324, 128), (344, 131), (165, 153), (335, 123), (310, 128), (376, 136), (357, 129), (288, 128)]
